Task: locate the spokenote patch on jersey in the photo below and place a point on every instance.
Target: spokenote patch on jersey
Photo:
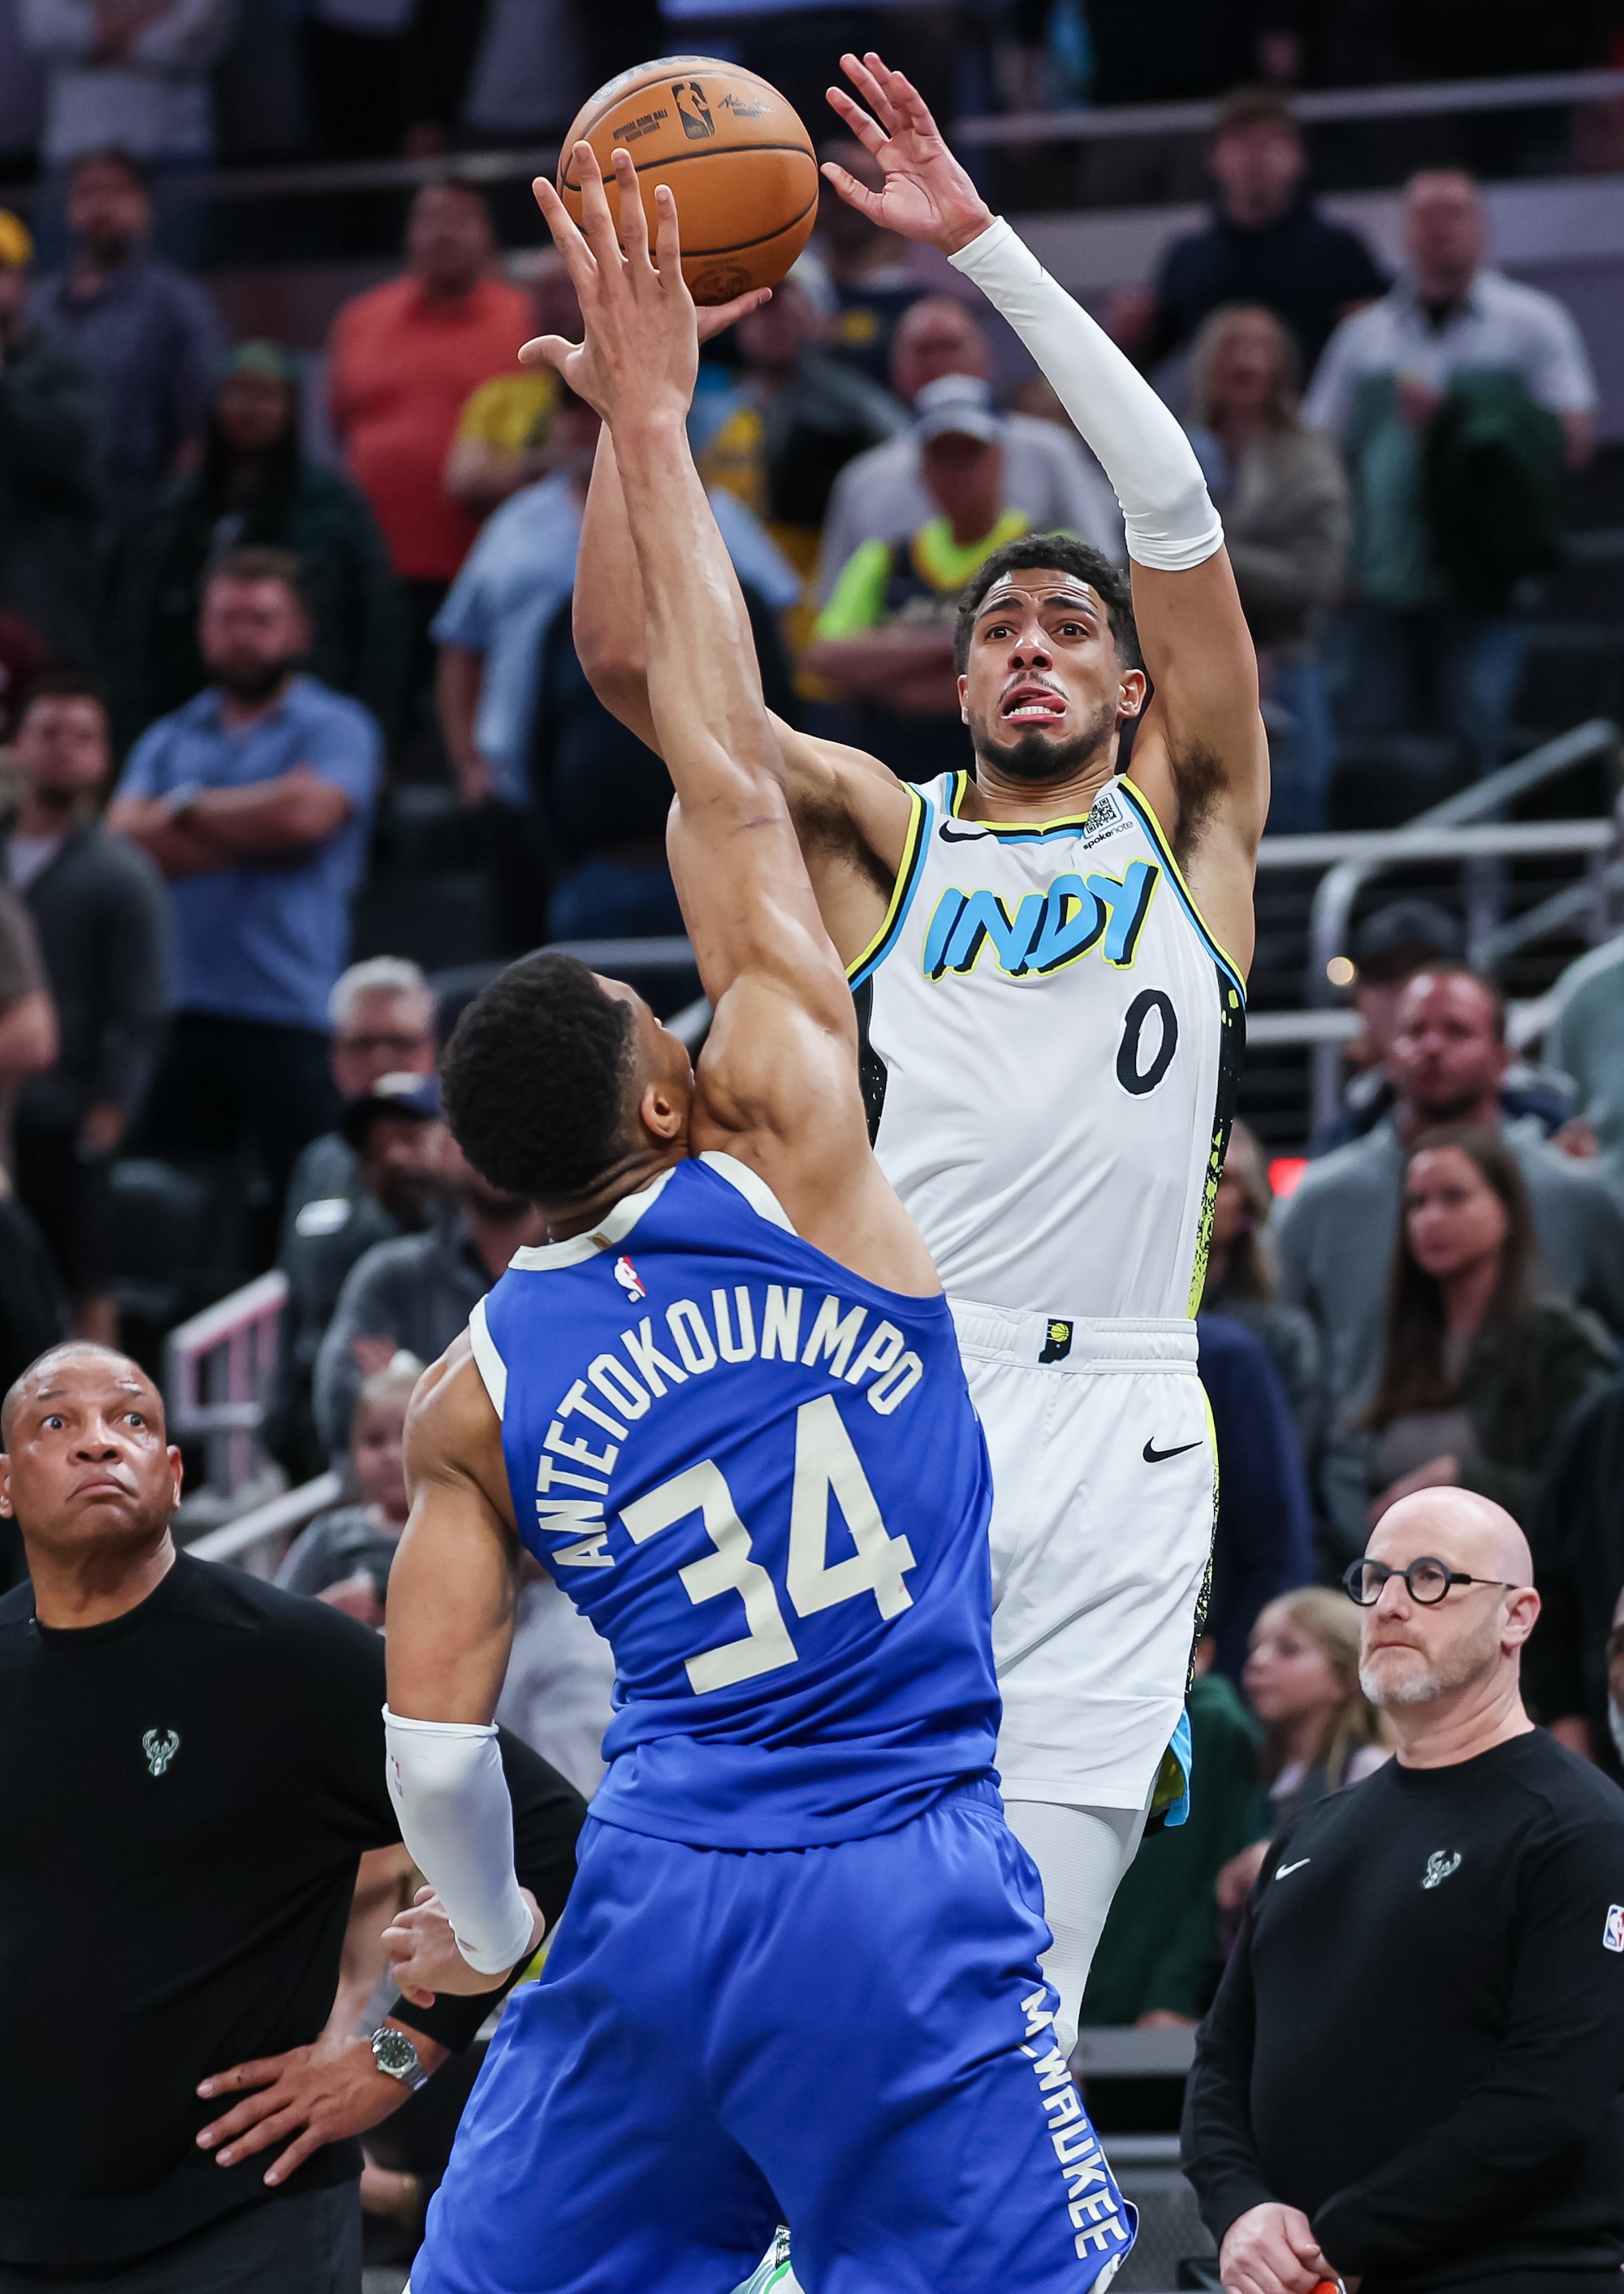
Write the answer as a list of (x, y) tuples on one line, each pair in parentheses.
[(1440, 1865), (1057, 1340), (1105, 817)]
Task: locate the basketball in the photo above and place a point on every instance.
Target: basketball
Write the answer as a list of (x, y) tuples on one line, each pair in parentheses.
[(737, 157)]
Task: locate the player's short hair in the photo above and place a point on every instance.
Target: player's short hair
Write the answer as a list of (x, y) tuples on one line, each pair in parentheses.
[(259, 564), (1059, 553), (534, 1079)]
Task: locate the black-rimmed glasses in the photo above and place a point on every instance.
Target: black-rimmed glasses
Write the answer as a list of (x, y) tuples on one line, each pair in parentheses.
[(1426, 1580)]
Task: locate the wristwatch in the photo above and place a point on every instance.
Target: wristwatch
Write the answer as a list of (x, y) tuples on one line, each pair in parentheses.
[(396, 2057)]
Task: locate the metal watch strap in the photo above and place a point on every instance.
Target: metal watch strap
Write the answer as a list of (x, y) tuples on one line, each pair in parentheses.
[(386, 2041)]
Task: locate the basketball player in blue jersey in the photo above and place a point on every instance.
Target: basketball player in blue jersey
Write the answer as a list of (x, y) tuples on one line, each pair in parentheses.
[(1050, 964), (723, 1404)]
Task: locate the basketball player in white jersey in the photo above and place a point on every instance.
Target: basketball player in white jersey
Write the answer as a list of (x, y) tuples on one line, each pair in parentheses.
[(1051, 961)]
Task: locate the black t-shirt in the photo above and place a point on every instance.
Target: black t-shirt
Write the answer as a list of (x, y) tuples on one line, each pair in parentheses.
[(185, 1794), (1303, 268), (1419, 2040)]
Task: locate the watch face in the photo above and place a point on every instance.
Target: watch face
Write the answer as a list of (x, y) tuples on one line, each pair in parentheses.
[(393, 2052)]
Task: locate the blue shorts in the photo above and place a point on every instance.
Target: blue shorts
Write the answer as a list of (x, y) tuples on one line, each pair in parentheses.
[(854, 2039)]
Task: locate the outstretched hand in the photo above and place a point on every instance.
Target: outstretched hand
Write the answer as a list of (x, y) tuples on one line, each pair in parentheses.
[(643, 328), (926, 194)]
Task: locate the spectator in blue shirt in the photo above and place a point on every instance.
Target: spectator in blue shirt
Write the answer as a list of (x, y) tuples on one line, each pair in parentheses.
[(253, 799)]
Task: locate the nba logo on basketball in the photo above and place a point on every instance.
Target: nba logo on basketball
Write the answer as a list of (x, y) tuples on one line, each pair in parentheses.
[(631, 1281), (1613, 1934), (691, 109)]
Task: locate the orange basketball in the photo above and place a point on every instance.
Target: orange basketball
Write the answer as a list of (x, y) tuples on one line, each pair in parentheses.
[(737, 157)]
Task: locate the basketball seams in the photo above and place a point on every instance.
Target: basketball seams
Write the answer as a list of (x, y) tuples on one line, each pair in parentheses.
[(716, 151), (651, 75)]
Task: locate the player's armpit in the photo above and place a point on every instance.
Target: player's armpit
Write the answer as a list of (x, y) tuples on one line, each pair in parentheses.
[(454, 1579)]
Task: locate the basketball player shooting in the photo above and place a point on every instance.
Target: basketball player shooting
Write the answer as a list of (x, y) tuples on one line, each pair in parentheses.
[(723, 1402), (1050, 964)]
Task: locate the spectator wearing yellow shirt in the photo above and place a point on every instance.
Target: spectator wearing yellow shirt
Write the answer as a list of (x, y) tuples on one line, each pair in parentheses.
[(884, 643), (504, 436)]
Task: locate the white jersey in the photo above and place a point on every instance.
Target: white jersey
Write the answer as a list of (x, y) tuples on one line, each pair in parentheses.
[(1051, 1045)]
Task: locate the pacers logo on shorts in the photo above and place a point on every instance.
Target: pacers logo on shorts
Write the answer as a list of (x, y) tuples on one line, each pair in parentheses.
[(1057, 1342), (693, 110)]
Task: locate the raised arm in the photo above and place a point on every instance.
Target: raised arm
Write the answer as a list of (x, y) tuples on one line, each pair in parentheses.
[(1200, 755), (779, 1082)]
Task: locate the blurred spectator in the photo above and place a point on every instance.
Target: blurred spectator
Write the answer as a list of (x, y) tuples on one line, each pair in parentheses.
[(1241, 1281), (415, 1294), (873, 282), (504, 433), (254, 801), (885, 641), (33, 1310), (1321, 1733), (1476, 1372), (1335, 1235), (1576, 1652), (1047, 470), (1157, 1961), (50, 434), (150, 335), (255, 489), (1587, 1042), (1284, 504), (24, 658), (575, 804), (1263, 1533), (134, 73), (402, 360), (101, 913), (1388, 947), (1267, 244), (1446, 396), (557, 1694), (795, 418), (382, 1015), (393, 1132), (29, 1041), (344, 1557)]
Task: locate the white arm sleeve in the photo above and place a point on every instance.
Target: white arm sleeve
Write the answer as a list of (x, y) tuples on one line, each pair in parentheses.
[(446, 1781), (1168, 512)]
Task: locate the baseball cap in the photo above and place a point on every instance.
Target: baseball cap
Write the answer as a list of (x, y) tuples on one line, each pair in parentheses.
[(16, 242), (269, 360), (957, 405), (415, 1096), (1402, 935)]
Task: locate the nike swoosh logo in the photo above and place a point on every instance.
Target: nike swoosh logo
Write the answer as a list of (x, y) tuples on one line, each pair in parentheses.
[(950, 834), (1154, 1457), (1285, 1871)]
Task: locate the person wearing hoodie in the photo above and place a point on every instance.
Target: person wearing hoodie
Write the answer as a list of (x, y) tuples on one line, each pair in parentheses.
[(254, 489)]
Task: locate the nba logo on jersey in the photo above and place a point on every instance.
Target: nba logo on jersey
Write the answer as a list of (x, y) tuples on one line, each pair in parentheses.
[(631, 1281), (1613, 1934)]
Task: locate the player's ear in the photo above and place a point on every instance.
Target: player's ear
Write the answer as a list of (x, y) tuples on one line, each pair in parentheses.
[(662, 1110), (964, 698), (1131, 691)]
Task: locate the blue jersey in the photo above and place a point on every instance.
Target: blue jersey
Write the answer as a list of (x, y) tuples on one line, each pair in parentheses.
[(762, 1479)]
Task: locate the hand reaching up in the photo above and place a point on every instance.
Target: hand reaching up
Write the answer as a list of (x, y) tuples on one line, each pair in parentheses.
[(926, 194)]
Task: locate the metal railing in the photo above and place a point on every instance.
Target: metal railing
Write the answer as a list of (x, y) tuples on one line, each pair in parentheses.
[(1462, 829), (1523, 92), (217, 1370), (256, 1541)]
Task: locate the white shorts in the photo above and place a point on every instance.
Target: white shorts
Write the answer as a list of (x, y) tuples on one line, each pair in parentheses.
[(1104, 1481)]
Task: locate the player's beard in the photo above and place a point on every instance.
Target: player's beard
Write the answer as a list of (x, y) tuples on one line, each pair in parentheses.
[(1035, 757)]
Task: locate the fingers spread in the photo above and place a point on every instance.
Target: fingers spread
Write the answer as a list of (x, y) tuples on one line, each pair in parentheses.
[(546, 350), (867, 133), (865, 79), (856, 194), (567, 237), (633, 222), (596, 219)]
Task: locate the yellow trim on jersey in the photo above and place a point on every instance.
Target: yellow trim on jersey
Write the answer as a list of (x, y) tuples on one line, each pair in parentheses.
[(961, 790), (902, 892), (1152, 827)]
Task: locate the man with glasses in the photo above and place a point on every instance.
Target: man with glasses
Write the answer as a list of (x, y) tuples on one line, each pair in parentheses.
[(1413, 2075)]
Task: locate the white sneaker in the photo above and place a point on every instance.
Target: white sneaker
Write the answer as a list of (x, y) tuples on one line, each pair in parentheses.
[(773, 2273)]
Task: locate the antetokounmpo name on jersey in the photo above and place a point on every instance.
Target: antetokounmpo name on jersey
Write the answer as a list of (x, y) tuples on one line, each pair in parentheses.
[(1048, 929), (746, 1325)]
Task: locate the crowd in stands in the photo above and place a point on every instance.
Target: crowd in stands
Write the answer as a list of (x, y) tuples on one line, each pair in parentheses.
[(239, 645)]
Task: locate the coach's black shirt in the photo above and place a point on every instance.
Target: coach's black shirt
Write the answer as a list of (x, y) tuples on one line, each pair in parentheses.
[(1419, 2040), (185, 1794)]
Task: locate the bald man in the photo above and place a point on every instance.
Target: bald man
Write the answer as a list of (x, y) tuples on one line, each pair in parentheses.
[(1048, 472), (1413, 2075), (192, 1764)]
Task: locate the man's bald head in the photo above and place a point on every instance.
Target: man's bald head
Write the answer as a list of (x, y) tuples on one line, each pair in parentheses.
[(1464, 1650), (87, 1473), (41, 1373)]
